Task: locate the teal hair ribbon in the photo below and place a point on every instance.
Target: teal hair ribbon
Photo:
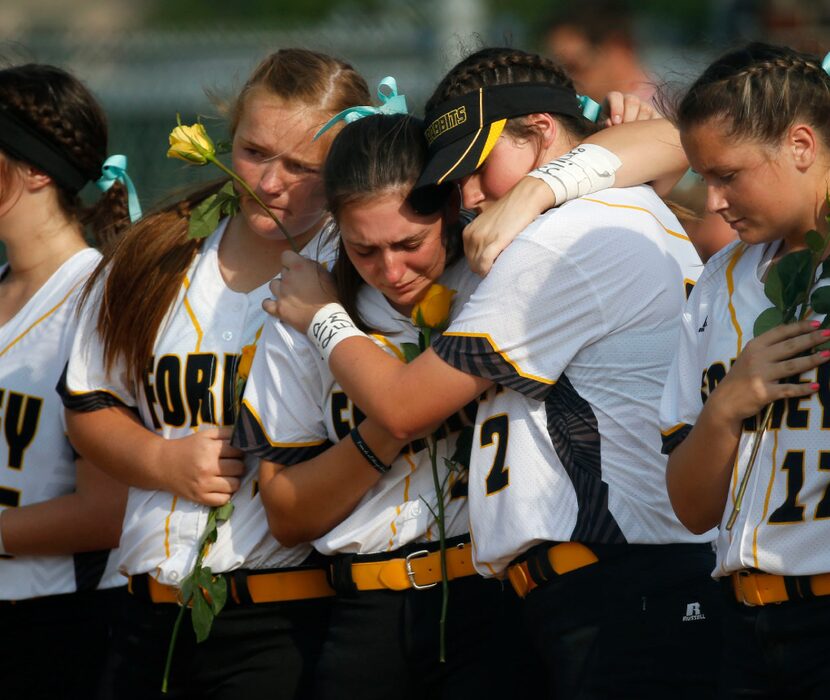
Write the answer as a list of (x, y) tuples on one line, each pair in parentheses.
[(114, 170), (825, 64), (391, 103), (590, 109)]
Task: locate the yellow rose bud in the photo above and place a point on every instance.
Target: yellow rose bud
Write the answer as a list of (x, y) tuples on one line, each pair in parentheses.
[(191, 144), (433, 311), (245, 362)]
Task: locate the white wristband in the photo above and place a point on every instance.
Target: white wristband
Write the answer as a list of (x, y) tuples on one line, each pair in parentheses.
[(330, 326), (586, 169)]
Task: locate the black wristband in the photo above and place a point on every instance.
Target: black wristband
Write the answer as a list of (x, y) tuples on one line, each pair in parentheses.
[(367, 453)]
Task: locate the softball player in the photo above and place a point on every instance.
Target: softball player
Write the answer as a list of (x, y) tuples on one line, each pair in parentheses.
[(772, 559), (569, 338), (59, 516), (161, 415), (379, 525)]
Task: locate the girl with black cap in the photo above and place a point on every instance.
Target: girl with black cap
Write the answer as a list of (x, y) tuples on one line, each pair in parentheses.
[(567, 342)]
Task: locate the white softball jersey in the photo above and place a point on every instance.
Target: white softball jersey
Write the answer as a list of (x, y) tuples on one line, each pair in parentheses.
[(190, 382), (294, 410), (36, 460), (576, 325), (784, 523)]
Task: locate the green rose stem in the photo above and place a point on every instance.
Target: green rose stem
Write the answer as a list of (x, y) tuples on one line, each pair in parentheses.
[(219, 164), (196, 585), (442, 543)]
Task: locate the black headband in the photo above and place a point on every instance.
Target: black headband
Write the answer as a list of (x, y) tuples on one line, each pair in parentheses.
[(462, 131), (25, 143)]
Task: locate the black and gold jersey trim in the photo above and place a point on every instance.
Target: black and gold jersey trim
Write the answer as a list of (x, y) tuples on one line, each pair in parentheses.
[(477, 356), (574, 432), (250, 437), (87, 401), (673, 437)]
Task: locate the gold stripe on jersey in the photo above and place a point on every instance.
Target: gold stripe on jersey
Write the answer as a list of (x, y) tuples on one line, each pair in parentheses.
[(671, 431), (255, 416), (730, 287), (676, 234), (504, 355), (412, 467), (492, 571), (763, 520), (199, 333), (167, 527), (389, 344), (40, 320)]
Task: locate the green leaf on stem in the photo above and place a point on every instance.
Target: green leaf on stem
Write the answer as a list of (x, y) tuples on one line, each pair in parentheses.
[(202, 616), (820, 301), (224, 512), (767, 320), (188, 586), (410, 351), (815, 242), (228, 199), (204, 218), (794, 271)]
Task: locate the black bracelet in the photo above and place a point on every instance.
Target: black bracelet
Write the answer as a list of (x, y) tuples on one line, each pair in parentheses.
[(367, 453)]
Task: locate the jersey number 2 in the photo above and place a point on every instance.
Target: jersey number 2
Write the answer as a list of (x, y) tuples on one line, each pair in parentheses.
[(496, 428)]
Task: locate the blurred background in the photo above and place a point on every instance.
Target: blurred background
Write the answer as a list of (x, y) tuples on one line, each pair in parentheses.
[(146, 60)]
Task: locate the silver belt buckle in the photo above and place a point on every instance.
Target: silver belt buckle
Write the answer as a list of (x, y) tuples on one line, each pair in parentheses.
[(410, 574)]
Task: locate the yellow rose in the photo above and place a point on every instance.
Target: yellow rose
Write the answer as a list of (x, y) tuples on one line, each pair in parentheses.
[(433, 311), (191, 144), (245, 361)]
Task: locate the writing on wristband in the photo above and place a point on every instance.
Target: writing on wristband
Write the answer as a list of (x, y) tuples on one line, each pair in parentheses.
[(330, 326), (367, 453), (586, 169)]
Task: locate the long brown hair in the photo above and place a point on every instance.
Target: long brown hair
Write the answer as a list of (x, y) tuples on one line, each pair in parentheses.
[(376, 155), (63, 111), (146, 269)]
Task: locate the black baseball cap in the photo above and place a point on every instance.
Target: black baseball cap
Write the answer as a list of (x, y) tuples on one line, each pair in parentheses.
[(462, 131)]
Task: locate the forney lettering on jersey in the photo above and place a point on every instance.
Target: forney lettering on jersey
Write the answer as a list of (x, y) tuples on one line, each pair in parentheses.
[(19, 415), (182, 392), (789, 413)]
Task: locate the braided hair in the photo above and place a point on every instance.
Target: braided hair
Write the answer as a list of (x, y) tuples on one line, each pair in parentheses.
[(62, 110), (758, 92), (505, 66)]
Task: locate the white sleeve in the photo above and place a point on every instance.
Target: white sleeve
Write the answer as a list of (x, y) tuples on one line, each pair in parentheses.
[(682, 400), (86, 385), (282, 418), (526, 321)]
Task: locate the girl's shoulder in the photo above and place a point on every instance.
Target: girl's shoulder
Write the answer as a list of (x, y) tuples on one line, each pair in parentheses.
[(726, 260)]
